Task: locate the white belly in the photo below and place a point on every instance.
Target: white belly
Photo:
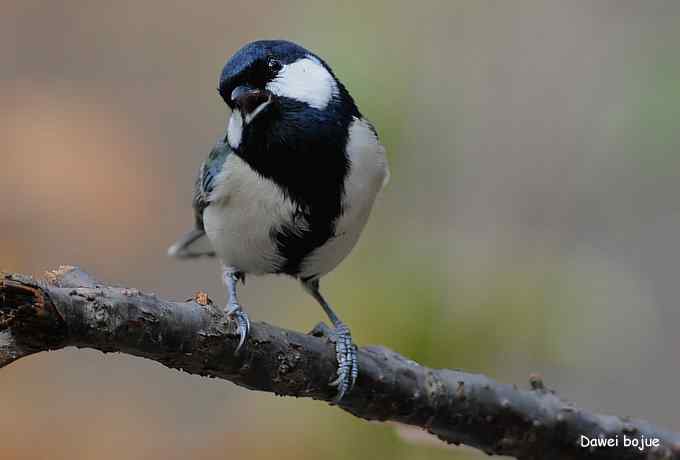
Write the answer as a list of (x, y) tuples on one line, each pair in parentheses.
[(247, 209), (368, 173), (239, 222)]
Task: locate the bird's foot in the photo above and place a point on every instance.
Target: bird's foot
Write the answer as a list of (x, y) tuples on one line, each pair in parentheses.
[(236, 313), (348, 365)]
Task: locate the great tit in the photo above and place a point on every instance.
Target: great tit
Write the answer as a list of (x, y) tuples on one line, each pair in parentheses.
[(290, 186)]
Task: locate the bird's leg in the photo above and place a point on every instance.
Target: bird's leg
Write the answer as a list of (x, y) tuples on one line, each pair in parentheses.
[(234, 311), (345, 350)]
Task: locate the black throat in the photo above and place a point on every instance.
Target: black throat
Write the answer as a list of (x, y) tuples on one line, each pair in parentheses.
[(303, 151)]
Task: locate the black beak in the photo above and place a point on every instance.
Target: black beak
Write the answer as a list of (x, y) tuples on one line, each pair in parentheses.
[(247, 99)]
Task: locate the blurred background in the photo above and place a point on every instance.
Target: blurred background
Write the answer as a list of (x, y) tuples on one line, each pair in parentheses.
[(531, 223)]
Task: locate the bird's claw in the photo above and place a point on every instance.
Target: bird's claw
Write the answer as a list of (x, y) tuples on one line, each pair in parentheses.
[(348, 366), (236, 313)]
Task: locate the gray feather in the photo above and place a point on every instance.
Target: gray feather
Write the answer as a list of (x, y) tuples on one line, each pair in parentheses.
[(195, 243)]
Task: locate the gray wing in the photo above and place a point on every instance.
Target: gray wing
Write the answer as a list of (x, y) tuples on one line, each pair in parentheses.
[(195, 243)]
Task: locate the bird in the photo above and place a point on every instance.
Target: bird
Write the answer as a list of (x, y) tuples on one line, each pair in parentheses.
[(289, 186)]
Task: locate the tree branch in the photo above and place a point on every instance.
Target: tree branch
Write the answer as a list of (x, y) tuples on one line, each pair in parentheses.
[(70, 308)]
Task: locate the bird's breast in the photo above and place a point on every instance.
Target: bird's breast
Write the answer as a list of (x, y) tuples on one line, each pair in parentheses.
[(255, 227), (368, 173), (246, 209)]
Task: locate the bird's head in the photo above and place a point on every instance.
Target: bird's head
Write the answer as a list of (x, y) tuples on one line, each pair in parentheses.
[(272, 86)]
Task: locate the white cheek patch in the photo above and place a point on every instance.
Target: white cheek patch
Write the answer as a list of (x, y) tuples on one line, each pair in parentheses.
[(305, 80), (235, 129), (236, 123)]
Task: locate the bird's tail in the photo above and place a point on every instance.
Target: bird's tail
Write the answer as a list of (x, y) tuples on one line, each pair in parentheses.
[(193, 244)]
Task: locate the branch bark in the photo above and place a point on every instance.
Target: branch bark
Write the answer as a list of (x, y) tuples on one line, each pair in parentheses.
[(70, 308)]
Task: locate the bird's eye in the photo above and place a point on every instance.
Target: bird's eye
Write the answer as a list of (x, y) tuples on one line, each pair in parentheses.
[(273, 65)]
